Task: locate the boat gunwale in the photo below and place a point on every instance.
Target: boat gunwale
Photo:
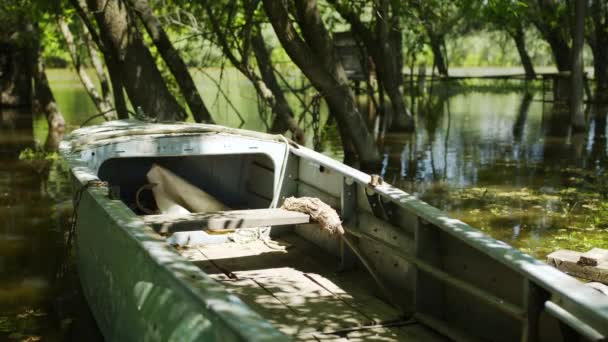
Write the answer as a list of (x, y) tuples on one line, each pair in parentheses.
[(126, 130)]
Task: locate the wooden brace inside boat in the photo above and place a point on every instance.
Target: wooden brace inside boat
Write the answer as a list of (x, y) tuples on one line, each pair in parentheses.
[(176, 198), (225, 220)]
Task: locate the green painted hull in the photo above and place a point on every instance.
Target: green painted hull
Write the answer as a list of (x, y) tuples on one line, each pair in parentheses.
[(140, 289)]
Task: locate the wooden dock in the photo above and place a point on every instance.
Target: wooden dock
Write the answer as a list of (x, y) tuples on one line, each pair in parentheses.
[(542, 73)]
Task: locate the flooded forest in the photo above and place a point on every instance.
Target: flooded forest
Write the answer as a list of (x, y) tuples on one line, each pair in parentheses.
[(492, 111)]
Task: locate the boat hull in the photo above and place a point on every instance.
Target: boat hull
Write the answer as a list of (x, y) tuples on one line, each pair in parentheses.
[(140, 289), (449, 276)]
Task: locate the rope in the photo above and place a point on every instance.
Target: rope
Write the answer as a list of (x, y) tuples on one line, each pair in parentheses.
[(329, 221), (72, 230), (77, 197), (96, 116), (138, 203)]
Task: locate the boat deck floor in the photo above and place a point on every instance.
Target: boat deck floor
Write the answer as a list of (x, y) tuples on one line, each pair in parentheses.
[(297, 287)]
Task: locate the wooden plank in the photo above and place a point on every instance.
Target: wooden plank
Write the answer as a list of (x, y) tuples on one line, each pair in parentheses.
[(593, 257), (567, 261), (225, 220)]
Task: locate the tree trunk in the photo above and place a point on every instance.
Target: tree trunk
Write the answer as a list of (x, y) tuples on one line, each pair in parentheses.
[(600, 71), (553, 29), (16, 66), (134, 63), (520, 42), (390, 64), (174, 61), (577, 114), (15, 88), (45, 98), (120, 104), (598, 41), (384, 46), (89, 86), (436, 43), (284, 118), (106, 94), (318, 61), (522, 116)]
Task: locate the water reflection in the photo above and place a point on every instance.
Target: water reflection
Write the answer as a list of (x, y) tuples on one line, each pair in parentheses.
[(34, 210), (509, 165)]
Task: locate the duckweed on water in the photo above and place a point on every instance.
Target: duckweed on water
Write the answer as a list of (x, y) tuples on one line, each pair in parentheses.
[(537, 221)]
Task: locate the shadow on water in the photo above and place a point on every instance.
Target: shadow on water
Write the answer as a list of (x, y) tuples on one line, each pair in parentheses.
[(35, 208)]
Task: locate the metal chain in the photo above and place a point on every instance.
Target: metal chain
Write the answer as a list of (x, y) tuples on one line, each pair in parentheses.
[(316, 121)]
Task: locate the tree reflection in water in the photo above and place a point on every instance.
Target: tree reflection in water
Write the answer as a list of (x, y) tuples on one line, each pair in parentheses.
[(35, 206)]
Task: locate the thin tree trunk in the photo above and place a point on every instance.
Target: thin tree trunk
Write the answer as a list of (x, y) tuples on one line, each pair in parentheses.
[(436, 43), (318, 61), (112, 63), (45, 98), (519, 38), (100, 103), (134, 63), (600, 71), (520, 122), (389, 63), (598, 41), (270, 92), (577, 114), (174, 61), (284, 118), (106, 94), (384, 46)]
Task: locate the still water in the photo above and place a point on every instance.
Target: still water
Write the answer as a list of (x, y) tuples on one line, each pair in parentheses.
[(494, 156)]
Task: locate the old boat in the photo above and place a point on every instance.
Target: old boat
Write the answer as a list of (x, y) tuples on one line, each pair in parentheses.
[(287, 279)]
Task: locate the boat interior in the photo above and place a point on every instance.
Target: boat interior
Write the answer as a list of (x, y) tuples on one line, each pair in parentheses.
[(297, 279)]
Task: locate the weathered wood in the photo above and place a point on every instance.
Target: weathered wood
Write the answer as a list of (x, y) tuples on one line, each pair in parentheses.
[(224, 220), (297, 290), (568, 261), (593, 257)]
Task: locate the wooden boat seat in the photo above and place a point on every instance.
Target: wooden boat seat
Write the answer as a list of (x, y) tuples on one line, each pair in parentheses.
[(224, 220)]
